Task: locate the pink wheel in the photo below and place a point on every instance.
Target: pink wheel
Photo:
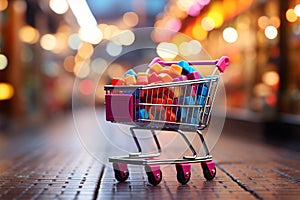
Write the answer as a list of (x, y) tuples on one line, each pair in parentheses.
[(154, 174), (209, 170), (183, 173), (121, 171)]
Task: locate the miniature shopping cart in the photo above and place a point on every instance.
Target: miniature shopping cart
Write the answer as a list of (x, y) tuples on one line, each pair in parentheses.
[(183, 105)]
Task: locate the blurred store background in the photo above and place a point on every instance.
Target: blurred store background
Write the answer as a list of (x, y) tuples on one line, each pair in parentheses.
[(43, 43)]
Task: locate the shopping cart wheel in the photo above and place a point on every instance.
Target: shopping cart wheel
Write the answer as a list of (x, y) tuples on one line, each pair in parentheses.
[(121, 171), (183, 173), (209, 170), (154, 174)]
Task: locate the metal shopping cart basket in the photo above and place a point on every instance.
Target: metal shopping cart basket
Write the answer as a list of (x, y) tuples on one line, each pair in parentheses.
[(184, 105)]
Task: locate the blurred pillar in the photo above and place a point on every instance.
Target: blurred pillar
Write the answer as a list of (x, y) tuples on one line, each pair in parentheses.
[(284, 66), (12, 48)]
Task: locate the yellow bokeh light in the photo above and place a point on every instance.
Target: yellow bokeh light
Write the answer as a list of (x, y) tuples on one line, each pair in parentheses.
[(28, 34), (217, 13), (198, 32), (217, 17), (291, 15), (6, 91), (3, 4), (208, 23)]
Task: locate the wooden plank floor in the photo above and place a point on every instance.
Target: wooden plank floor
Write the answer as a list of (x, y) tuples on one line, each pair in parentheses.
[(50, 162)]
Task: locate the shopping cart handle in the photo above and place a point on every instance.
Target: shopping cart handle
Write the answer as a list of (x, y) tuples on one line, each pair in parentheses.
[(222, 63), (155, 60)]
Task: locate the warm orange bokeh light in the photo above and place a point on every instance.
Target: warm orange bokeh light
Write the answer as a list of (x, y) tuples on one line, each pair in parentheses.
[(291, 15), (69, 63), (3, 4), (29, 34), (131, 19)]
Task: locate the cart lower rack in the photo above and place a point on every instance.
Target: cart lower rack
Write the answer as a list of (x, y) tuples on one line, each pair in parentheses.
[(181, 105)]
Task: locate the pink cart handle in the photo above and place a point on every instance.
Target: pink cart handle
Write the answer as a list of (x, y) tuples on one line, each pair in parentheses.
[(222, 63)]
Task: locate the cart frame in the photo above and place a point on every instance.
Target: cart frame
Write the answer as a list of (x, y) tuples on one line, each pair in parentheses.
[(202, 111)]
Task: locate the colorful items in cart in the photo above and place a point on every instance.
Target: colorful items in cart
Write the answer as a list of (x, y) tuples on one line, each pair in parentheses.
[(201, 94), (183, 78), (189, 112), (191, 90), (162, 113), (118, 81), (176, 69), (189, 71), (130, 72), (162, 100), (173, 70), (165, 77), (193, 75), (191, 119), (143, 74), (142, 80), (156, 68), (188, 100), (156, 73), (153, 78), (186, 68), (170, 115), (130, 80), (142, 114)]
